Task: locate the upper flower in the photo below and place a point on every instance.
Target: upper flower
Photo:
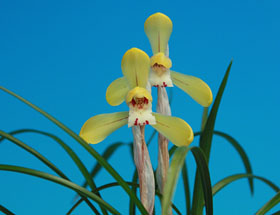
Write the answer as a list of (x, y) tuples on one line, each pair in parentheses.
[(132, 89), (158, 28)]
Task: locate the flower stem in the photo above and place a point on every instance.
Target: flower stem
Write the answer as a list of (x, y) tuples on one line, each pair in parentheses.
[(163, 107), (163, 156), (144, 168)]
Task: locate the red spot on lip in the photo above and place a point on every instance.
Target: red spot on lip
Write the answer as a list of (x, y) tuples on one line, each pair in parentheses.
[(136, 121), (147, 122), (164, 84), (146, 101), (133, 102)]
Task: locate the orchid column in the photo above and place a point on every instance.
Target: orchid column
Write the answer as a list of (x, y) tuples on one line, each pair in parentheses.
[(132, 89), (158, 28)]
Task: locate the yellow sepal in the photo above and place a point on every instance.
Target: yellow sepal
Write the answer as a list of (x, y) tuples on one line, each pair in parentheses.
[(161, 59), (158, 28), (97, 128), (138, 92), (117, 91), (193, 86), (174, 129), (136, 67)]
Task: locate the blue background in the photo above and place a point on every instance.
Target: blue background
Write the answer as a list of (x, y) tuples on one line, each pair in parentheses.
[(62, 55)]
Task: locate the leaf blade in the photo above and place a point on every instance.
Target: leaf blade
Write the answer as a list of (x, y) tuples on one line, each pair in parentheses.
[(228, 180), (61, 181), (94, 153), (70, 152), (172, 177), (5, 210), (205, 143), (269, 205)]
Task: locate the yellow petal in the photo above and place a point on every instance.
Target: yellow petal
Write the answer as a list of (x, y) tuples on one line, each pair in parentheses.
[(161, 59), (97, 128), (193, 86), (117, 91), (136, 67), (138, 92), (158, 28), (174, 129)]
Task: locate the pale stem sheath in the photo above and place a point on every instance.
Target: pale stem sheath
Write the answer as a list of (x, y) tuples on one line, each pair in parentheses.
[(163, 155), (163, 107), (144, 168)]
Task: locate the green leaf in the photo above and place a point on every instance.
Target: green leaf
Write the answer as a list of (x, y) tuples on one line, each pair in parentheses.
[(33, 152), (207, 134), (58, 180), (109, 185), (83, 143), (228, 180), (173, 174), (74, 206), (270, 204), (78, 203), (132, 210), (5, 210), (205, 144), (237, 147), (186, 188), (70, 152), (203, 170), (172, 177), (242, 154), (106, 155)]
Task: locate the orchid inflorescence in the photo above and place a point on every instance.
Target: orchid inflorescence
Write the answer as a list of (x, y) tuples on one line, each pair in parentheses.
[(140, 74), (132, 89)]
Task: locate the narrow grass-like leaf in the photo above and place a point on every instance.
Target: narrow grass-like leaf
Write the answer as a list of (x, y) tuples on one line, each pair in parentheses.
[(270, 204), (228, 180), (205, 144), (5, 210), (132, 209), (114, 184), (78, 203), (242, 154), (33, 152), (110, 150), (207, 134), (240, 151), (94, 153), (172, 178), (74, 206), (173, 173), (61, 181), (186, 188), (236, 146), (203, 170), (70, 152)]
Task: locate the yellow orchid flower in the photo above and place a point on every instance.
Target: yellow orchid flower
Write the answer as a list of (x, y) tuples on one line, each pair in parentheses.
[(132, 89), (158, 28)]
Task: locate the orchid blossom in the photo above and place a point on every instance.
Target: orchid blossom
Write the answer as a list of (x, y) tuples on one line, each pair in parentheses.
[(158, 28), (132, 89)]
